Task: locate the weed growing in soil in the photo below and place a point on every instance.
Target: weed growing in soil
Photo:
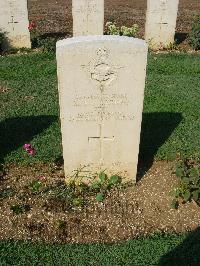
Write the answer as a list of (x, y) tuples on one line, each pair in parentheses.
[(188, 171), (20, 208), (74, 191), (172, 46), (113, 29), (194, 36), (35, 186), (47, 44), (103, 184), (67, 196), (61, 224), (6, 193), (98, 184)]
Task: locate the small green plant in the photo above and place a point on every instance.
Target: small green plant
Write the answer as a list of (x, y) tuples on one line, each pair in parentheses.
[(83, 183), (172, 46), (78, 175), (96, 183), (71, 195), (113, 29), (104, 183), (194, 35), (129, 31), (47, 44), (19, 209), (60, 224), (153, 46), (6, 193), (78, 201), (188, 171), (35, 186)]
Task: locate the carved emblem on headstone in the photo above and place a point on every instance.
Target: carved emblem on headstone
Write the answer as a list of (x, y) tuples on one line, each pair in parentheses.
[(101, 69)]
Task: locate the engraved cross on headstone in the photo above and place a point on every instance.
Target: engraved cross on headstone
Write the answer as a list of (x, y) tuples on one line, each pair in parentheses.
[(13, 22), (101, 140)]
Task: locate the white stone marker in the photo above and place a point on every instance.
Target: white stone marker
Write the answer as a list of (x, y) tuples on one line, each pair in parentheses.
[(161, 19), (14, 21), (88, 17), (101, 88)]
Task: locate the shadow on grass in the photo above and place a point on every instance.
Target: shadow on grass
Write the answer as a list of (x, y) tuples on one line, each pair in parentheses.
[(156, 129), (186, 254), (14, 132)]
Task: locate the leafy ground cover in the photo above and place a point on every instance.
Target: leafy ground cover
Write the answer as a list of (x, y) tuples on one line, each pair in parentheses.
[(157, 250), (30, 110)]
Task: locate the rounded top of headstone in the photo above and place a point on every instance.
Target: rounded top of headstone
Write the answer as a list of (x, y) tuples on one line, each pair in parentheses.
[(99, 38)]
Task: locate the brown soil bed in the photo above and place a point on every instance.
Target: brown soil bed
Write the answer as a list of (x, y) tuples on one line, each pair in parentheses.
[(134, 211), (56, 16)]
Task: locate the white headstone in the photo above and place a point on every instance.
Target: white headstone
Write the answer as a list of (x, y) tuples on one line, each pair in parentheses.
[(161, 19), (88, 17), (14, 21), (101, 88)]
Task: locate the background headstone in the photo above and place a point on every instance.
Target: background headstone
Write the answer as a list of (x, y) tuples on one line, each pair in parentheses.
[(101, 88), (14, 21), (88, 17), (161, 19)]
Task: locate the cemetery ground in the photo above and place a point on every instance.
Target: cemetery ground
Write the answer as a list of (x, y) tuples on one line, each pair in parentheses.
[(35, 202), (123, 12)]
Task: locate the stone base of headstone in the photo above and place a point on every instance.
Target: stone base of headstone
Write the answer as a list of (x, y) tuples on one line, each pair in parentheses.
[(101, 89)]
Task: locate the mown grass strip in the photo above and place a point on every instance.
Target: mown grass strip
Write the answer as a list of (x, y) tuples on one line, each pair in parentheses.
[(29, 109)]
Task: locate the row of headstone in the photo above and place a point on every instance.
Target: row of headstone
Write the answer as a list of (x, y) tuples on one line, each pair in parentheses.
[(88, 19), (161, 16)]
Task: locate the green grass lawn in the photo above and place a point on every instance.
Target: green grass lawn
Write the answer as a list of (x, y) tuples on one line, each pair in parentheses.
[(29, 109), (29, 112), (157, 250)]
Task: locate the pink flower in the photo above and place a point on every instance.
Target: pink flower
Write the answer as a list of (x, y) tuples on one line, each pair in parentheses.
[(27, 146), (29, 149), (31, 152), (41, 178), (32, 26)]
